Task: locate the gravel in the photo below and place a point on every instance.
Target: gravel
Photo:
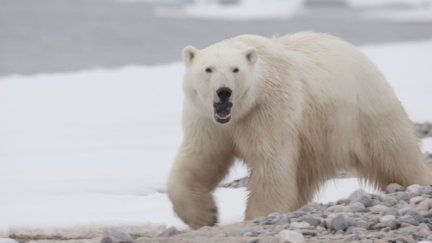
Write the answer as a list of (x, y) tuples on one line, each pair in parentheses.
[(396, 215), (424, 129)]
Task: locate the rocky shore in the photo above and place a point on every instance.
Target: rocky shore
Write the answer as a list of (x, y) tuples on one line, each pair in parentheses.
[(396, 215)]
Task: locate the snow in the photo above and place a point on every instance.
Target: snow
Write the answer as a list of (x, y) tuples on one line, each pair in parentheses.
[(407, 68), (96, 146), (238, 10), (427, 145), (386, 3), (418, 15), (395, 10)]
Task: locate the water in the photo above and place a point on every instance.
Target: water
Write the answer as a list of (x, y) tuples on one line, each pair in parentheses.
[(68, 35)]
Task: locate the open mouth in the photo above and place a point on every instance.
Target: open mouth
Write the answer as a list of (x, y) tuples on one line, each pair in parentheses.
[(222, 112)]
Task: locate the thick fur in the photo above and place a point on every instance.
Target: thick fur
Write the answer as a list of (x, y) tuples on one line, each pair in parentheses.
[(304, 106)]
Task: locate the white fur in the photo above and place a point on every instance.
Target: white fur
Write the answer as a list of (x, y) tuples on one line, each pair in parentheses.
[(304, 106)]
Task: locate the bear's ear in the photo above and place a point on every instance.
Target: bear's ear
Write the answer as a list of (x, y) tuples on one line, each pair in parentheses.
[(189, 53), (251, 55)]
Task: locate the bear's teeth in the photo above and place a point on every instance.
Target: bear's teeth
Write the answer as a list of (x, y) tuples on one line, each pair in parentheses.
[(223, 117)]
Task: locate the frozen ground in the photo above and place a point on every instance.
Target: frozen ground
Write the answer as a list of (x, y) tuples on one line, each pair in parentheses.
[(96, 146)]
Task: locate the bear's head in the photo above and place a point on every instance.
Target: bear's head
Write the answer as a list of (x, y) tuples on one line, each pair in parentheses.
[(220, 81)]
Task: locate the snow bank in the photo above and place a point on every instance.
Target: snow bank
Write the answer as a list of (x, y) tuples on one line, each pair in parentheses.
[(237, 10), (427, 145), (395, 10), (407, 68), (386, 3)]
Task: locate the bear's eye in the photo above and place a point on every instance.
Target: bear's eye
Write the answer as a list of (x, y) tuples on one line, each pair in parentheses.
[(235, 70), (208, 70)]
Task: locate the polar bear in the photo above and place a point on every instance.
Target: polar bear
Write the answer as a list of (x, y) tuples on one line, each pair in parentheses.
[(295, 109)]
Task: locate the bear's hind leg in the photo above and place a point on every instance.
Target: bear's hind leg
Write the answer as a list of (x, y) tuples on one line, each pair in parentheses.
[(273, 188), (396, 160)]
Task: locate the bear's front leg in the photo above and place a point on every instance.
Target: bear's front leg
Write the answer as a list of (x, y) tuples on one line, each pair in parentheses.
[(199, 167), (273, 186)]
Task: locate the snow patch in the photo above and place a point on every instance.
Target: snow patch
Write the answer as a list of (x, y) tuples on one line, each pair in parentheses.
[(237, 10), (390, 3), (427, 145)]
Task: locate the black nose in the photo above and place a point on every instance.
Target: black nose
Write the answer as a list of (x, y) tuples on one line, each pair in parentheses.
[(224, 93)]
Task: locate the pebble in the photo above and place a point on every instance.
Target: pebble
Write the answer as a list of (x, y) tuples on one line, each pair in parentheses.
[(394, 187), (391, 211), (338, 222), (252, 240), (290, 236), (314, 221), (169, 232), (250, 234), (416, 200), (113, 235), (424, 205), (300, 225), (415, 189), (366, 201), (402, 195), (409, 220), (357, 194), (396, 215), (387, 219), (378, 208)]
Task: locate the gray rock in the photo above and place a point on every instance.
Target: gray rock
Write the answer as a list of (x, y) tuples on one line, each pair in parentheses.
[(169, 232), (394, 187), (334, 208), (270, 219), (314, 221), (252, 240), (408, 220), (357, 204), (282, 221), (419, 218), (378, 208), (424, 129), (402, 195), (404, 210), (357, 207), (357, 194), (289, 236), (366, 201), (387, 200), (300, 225), (416, 200), (338, 222), (113, 235), (309, 233), (391, 211), (424, 205), (250, 234), (386, 219), (359, 223), (415, 189)]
